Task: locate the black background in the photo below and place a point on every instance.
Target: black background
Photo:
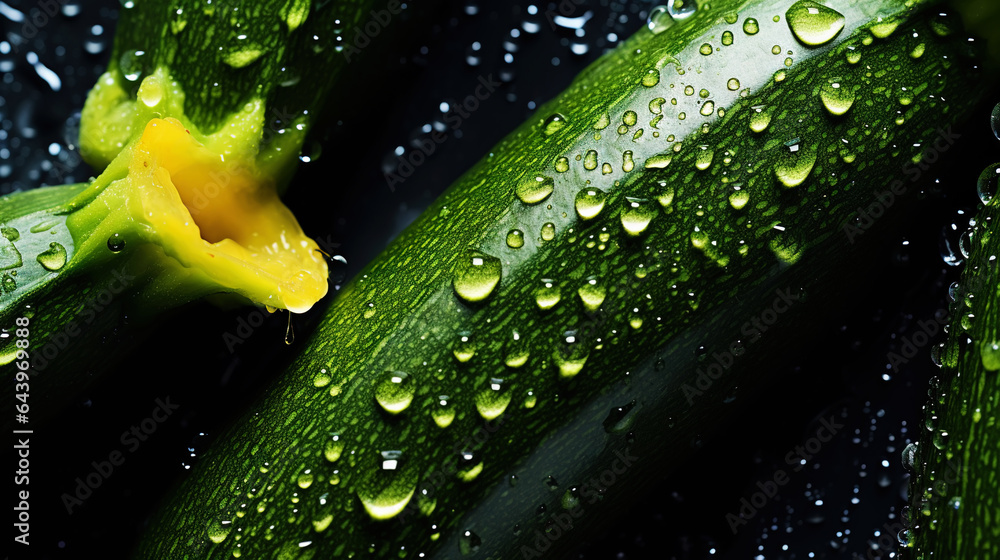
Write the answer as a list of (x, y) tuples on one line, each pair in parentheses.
[(834, 508)]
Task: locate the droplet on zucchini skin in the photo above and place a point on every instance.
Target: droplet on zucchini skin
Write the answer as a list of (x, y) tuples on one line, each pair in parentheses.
[(493, 399), (334, 447), (751, 27), (836, 96), (637, 215), (535, 189), (995, 121), (986, 186), (218, 529), (465, 347), (443, 411), (53, 258), (548, 294), (989, 352), (476, 276), (515, 239), (592, 293), (814, 24), (796, 165), (394, 391), (553, 124), (116, 243), (590, 202)]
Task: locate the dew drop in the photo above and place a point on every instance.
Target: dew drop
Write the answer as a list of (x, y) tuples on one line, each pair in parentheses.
[(547, 295), (469, 543), (750, 26), (553, 124), (620, 418), (53, 258), (760, 118), (465, 347), (535, 189), (995, 121), (515, 239), (727, 38), (548, 232), (704, 157), (814, 24), (570, 355), (218, 529), (796, 165), (590, 160), (130, 65), (492, 401), (651, 77), (592, 293), (989, 352), (836, 96), (659, 20), (986, 186), (116, 243), (516, 351), (637, 215), (334, 447), (590, 202), (476, 276), (394, 391), (443, 411)]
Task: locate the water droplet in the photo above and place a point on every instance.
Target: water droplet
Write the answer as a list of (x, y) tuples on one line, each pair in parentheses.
[(548, 232), (636, 215), (10, 234), (443, 411), (8, 283), (704, 157), (53, 258), (570, 355), (243, 56), (706, 49), (516, 351), (989, 352), (853, 55), (116, 243), (630, 118), (469, 543), (727, 38), (492, 401), (334, 447), (368, 310), (535, 189), (667, 197), (548, 294), (651, 77), (739, 198), (681, 9), (659, 20), (592, 293), (590, 160), (218, 529), (620, 419), (130, 65), (659, 161), (837, 97), (305, 479), (590, 202), (656, 105), (476, 276), (986, 186), (995, 121), (910, 457), (883, 27), (814, 24), (394, 391), (515, 239), (628, 164), (562, 164), (553, 124), (750, 26), (465, 347), (796, 165), (389, 502), (733, 84), (760, 118)]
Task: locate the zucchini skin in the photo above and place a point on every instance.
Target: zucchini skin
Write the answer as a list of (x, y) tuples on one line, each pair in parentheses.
[(270, 480), (954, 485)]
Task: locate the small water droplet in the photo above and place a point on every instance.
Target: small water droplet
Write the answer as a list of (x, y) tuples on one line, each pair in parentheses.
[(836, 96), (620, 419), (465, 347), (493, 399), (548, 232), (116, 243), (651, 77), (592, 293), (334, 447), (218, 529), (476, 276), (727, 38), (750, 26), (394, 391), (814, 24), (469, 543), (989, 352), (515, 239), (443, 411), (637, 215), (130, 64)]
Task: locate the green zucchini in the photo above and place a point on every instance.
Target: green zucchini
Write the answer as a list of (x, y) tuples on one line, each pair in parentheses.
[(954, 492), (197, 124), (698, 175)]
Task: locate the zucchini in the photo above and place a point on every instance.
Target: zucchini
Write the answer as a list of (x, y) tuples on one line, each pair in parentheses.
[(197, 124), (954, 490), (650, 209)]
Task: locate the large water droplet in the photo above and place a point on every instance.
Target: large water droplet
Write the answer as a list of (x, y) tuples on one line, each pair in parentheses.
[(553, 124), (681, 9), (535, 189), (796, 164), (218, 529), (492, 401), (636, 215), (130, 65), (394, 391), (659, 20), (476, 276), (837, 97), (760, 117), (592, 293), (547, 295), (986, 187), (590, 202), (443, 411), (465, 347), (53, 258), (334, 447), (814, 24)]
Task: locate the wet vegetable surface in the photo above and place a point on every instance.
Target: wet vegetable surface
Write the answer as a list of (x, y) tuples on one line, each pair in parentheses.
[(686, 515)]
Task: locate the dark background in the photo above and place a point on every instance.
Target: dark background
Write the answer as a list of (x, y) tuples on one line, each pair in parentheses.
[(844, 504)]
